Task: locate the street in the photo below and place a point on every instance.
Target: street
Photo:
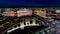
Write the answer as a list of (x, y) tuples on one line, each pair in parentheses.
[(53, 29), (56, 26)]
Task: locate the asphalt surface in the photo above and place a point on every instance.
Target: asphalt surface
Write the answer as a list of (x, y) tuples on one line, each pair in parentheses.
[(56, 26), (53, 29)]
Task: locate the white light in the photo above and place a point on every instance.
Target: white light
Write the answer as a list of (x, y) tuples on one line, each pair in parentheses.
[(12, 30), (57, 11)]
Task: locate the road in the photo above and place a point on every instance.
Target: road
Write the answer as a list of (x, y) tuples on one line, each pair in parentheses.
[(56, 26)]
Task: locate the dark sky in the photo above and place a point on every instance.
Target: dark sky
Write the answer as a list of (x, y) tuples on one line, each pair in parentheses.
[(30, 3)]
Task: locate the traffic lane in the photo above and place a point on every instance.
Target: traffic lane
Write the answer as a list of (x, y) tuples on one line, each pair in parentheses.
[(56, 26)]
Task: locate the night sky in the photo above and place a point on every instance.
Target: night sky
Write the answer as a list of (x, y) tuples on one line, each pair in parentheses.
[(36, 3)]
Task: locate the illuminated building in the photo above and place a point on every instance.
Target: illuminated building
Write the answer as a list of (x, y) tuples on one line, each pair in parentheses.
[(40, 12), (24, 12)]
